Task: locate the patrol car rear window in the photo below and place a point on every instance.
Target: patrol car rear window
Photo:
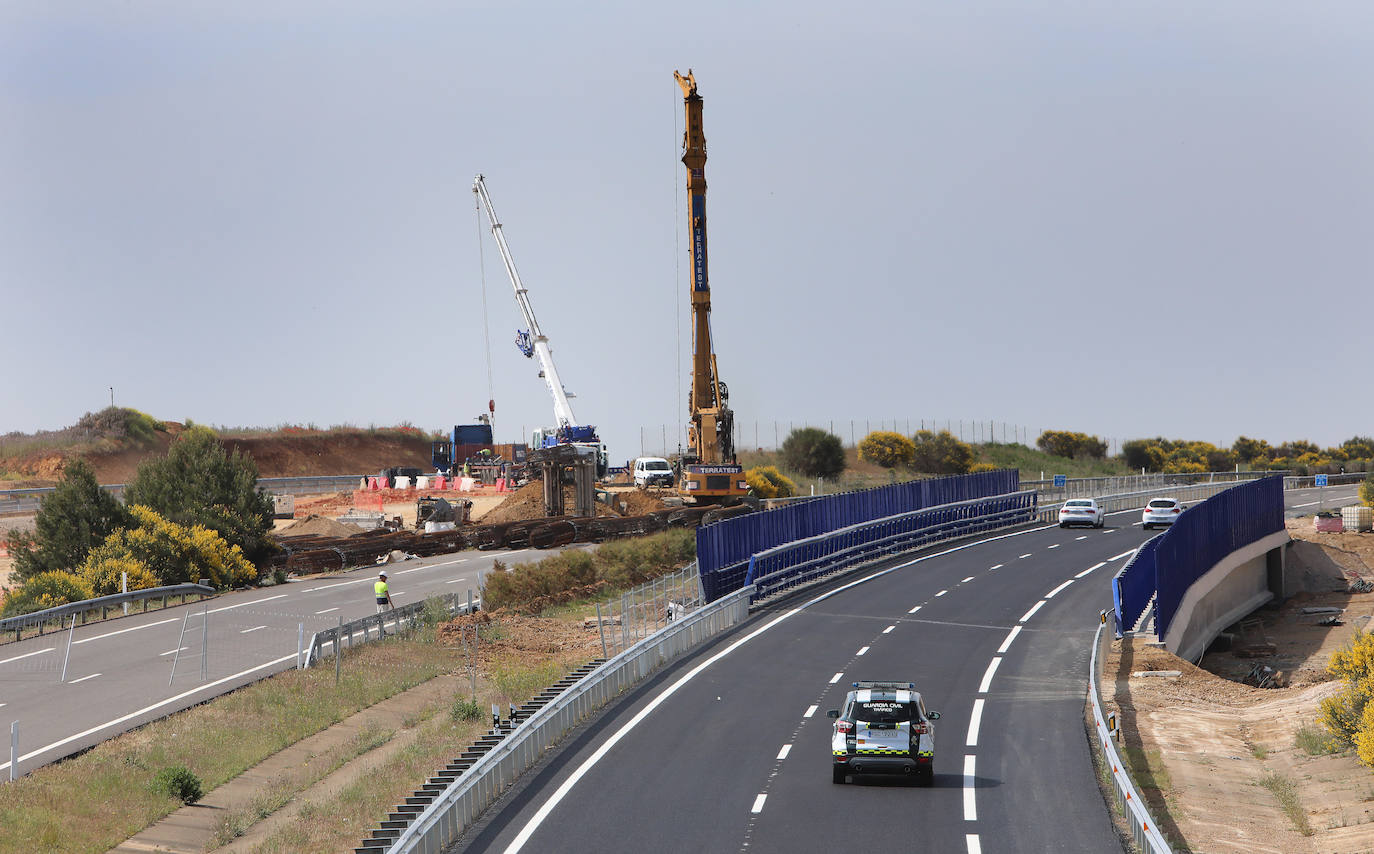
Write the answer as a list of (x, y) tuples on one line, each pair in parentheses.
[(882, 712)]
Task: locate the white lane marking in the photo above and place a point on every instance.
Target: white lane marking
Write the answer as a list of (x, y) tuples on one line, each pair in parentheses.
[(458, 579), (970, 808), (1011, 636), (888, 629), (786, 749), (122, 631), (862, 651), (28, 654), (1031, 613), (1090, 569), (413, 569), (1051, 594), (2, 705), (254, 629), (1084, 537), (967, 580), (1308, 504), (974, 846), (1024, 556), (975, 720), (1135, 524), (836, 678), (1055, 546), (997, 566), (325, 611), (340, 584), (1123, 554), (810, 710), (146, 709), (942, 592), (987, 677), (758, 804), (246, 604), (914, 610), (173, 651), (83, 679), (450, 562), (542, 814)]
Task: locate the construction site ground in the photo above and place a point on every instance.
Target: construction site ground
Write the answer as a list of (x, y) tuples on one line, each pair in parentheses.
[(1210, 738)]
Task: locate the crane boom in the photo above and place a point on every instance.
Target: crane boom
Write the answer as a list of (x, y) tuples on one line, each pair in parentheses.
[(536, 341), (710, 471)]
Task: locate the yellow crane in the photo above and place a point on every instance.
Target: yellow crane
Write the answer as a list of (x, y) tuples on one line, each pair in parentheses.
[(710, 474)]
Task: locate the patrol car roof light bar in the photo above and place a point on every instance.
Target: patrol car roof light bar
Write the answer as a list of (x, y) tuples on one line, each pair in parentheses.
[(892, 686)]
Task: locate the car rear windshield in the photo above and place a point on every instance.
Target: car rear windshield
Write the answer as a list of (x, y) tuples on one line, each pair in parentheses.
[(883, 712), (1162, 502), (1078, 504)]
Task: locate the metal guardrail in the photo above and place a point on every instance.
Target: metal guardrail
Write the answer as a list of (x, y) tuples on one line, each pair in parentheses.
[(1310, 481), (462, 802), (100, 603), (13, 501), (400, 618), (1133, 500), (777, 569), (1144, 829)]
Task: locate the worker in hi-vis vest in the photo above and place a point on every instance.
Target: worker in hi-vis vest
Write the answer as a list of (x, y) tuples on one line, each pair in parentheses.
[(383, 593)]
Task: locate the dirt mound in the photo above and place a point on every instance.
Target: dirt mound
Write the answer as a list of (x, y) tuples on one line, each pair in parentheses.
[(319, 526), (639, 503), (505, 636), (527, 502)]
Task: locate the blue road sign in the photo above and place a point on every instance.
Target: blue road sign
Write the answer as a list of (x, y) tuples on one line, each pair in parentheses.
[(1321, 480), (1061, 480)]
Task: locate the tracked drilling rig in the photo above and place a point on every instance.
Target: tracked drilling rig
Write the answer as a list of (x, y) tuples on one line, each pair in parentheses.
[(710, 474)]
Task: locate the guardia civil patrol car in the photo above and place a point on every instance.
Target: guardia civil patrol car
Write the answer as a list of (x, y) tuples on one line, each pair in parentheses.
[(884, 728)]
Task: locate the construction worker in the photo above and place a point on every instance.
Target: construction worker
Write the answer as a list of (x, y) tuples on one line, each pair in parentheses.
[(383, 593)]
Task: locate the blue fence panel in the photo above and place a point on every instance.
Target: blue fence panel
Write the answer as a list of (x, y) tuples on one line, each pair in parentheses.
[(1208, 532), (1134, 585), (723, 549)]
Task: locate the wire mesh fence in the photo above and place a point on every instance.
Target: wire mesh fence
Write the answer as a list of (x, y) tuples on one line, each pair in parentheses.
[(638, 613)]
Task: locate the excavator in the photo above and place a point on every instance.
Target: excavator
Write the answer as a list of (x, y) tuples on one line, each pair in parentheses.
[(709, 473)]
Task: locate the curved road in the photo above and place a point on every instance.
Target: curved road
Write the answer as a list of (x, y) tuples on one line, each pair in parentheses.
[(728, 750)]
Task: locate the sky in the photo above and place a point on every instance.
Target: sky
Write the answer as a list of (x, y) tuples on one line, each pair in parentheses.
[(1126, 219)]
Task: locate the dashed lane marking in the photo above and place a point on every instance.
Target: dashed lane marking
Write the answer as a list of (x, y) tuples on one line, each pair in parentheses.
[(1084, 537), (1126, 553), (970, 808), (786, 749), (173, 651), (1090, 569), (974, 846), (1051, 594), (987, 677), (1011, 636), (967, 580), (888, 629), (758, 804), (836, 678), (1055, 546), (83, 679), (975, 720), (254, 629), (941, 593), (246, 604), (862, 651), (1024, 556), (121, 631), (914, 610), (997, 566), (325, 611), (28, 654), (1031, 613), (810, 710)]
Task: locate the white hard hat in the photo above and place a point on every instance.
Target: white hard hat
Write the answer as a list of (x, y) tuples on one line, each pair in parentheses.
[(382, 573)]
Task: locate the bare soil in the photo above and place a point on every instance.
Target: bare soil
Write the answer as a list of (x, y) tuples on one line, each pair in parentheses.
[(1210, 737)]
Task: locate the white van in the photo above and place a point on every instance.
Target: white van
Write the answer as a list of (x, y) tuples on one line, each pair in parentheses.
[(653, 471)]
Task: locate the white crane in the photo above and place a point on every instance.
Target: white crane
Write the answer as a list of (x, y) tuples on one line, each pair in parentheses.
[(534, 343)]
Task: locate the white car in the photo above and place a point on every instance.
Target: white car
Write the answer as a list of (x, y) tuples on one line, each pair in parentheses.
[(652, 471), (1082, 511), (1160, 511)]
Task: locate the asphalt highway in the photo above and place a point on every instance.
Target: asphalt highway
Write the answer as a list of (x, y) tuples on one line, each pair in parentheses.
[(728, 750), (120, 673)]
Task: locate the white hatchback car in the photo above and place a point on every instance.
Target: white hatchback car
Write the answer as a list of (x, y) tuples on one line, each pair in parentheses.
[(1160, 511), (1082, 511)]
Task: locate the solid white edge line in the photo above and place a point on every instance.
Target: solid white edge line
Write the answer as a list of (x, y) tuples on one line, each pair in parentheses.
[(786, 749), (862, 651), (1011, 636), (810, 710), (758, 804), (974, 721), (28, 654), (159, 704), (974, 846), (1060, 588), (83, 679), (1126, 553), (561, 792), (122, 631), (1090, 569), (836, 677), (970, 807), (987, 676), (1031, 613)]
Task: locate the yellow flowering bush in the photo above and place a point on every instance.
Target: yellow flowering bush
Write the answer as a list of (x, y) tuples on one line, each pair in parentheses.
[(172, 553), (47, 590), (105, 575), (768, 482)]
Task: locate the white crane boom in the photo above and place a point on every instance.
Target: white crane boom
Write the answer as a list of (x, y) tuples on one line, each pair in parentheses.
[(562, 409)]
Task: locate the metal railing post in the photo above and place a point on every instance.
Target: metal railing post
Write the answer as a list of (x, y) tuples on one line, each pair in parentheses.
[(205, 645), (14, 748), (68, 655), (600, 624), (300, 641), (338, 650)]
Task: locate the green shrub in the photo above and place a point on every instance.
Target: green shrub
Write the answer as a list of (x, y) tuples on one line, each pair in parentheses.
[(465, 710), (1367, 491), (178, 782), (1066, 443), (941, 453), (73, 519), (813, 452)]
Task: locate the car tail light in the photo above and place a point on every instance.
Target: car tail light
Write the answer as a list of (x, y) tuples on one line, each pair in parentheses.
[(844, 727), (1176, 510), (919, 729)]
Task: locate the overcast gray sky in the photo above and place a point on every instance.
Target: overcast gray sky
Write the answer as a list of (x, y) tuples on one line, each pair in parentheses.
[(1127, 219)]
